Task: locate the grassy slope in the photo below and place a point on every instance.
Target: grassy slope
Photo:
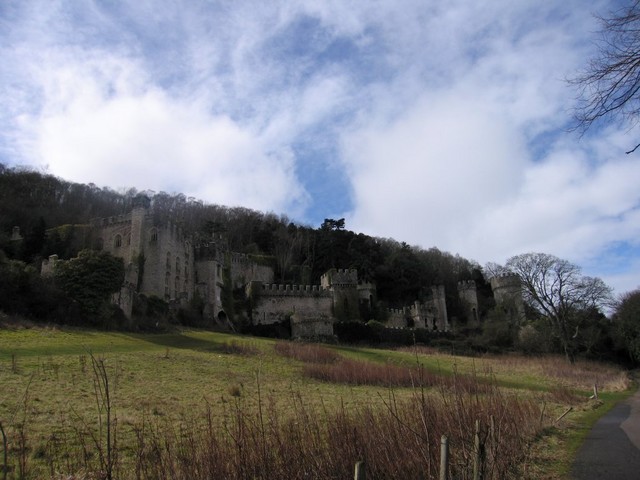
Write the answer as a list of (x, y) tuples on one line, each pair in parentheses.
[(164, 375)]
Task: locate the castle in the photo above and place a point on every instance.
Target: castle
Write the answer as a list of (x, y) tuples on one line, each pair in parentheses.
[(162, 260)]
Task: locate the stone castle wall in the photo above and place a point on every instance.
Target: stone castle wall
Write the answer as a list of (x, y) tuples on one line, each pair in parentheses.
[(276, 303), (158, 259), (431, 315), (339, 277), (319, 327), (397, 318), (161, 260), (244, 270)]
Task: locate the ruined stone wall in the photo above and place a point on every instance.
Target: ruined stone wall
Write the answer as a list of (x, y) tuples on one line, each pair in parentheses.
[(275, 303), (47, 266)]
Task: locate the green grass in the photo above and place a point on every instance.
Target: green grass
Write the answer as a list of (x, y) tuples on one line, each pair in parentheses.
[(47, 380)]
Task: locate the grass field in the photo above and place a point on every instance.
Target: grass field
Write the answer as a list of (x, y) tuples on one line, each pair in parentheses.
[(162, 386)]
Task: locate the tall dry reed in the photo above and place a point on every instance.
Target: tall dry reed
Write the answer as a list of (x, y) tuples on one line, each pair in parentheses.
[(399, 440)]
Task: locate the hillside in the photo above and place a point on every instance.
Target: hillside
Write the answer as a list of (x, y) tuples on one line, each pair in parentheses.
[(50, 214), (398, 285), (196, 404)]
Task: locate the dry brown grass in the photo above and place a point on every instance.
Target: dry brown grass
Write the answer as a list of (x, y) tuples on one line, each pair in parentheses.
[(199, 412), (400, 440), (554, 370), (306, 352)]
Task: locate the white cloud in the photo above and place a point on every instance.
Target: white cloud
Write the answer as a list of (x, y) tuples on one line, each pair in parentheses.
[(104, 123), (433, 168), (447, 117)]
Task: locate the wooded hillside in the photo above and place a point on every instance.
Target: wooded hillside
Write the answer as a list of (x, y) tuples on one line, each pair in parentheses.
[(45, 207)]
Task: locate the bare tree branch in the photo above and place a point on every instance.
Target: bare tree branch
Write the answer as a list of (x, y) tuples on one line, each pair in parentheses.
[(609, 87)]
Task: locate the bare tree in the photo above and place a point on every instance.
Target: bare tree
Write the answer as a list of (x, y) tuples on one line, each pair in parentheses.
[(557, 290), (492, 269), (286, 247), (609, 87)]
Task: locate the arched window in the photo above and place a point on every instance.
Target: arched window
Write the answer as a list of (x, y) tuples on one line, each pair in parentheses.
[(177, 265), (168, 262), (153, 236), (117, 242)]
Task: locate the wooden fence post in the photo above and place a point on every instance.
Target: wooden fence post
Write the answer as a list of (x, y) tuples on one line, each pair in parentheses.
[(360, 473), (444, 458), (478, 459), (4, 466)]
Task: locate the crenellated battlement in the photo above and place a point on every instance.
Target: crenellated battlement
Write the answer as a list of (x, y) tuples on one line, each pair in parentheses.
[(466, 285), (505, 281), (280, 290), (396, 311), (240, 258), (340, 278)]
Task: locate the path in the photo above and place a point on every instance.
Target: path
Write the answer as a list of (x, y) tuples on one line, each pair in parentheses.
[(611, 451)]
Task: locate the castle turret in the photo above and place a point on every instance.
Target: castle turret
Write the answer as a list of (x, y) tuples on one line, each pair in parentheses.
[(344, 286), (469, 296), (507, 292), (439, 303)]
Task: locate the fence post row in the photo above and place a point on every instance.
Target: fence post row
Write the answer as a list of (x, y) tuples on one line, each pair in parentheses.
[(478, 460)]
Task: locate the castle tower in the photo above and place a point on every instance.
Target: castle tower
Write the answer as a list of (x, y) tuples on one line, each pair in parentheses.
[(507, 292), (367, 299), (439, 304), (141, 205), (469, 296), (344, 286)]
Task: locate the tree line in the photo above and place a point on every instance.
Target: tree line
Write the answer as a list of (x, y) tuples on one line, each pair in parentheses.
[(564, 309), (51, 212)]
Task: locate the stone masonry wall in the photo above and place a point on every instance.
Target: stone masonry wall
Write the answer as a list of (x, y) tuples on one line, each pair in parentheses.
[(274, 303)]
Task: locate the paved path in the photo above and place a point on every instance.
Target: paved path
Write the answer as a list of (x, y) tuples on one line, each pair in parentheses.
[(612, 448)]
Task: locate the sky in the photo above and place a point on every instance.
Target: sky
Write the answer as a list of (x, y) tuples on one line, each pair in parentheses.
[(440, 124)]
